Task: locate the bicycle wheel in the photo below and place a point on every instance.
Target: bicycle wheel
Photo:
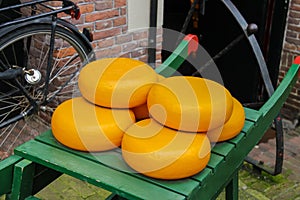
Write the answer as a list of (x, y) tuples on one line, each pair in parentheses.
[(28, 47)]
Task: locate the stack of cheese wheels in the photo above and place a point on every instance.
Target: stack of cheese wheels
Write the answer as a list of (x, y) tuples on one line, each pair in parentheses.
[(165, 126), (109, 88)]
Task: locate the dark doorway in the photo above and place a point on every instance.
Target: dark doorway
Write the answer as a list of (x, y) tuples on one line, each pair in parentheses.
[(216, 28)]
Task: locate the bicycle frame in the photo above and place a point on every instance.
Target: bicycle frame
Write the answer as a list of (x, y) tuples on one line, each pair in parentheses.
[(68, 7), (49, 18)]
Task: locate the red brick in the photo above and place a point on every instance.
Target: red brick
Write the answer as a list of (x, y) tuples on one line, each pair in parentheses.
[(100, 25), (295, 7), (140, 35), (106, 43), (120, 39), (63, 15), (296, 2), (119, 21), (92, 17), (86, 25), (293, 27), (103, 5), (54, 3), (294, 14), (109, 52), (120, 3), (291, 34), (106, 33), (87, 8), (138, 53), (293, 21), (129, 46), (290, 47)]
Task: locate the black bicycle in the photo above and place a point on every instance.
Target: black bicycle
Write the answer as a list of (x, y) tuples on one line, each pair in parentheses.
[(40, 58)]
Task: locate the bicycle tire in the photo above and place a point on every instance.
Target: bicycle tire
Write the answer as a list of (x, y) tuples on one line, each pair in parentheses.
[(28, 47)]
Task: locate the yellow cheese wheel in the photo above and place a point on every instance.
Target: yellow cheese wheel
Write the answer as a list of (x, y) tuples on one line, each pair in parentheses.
[(116, 82), (80, 125), (160, 152), (189, 103), (232, 127)]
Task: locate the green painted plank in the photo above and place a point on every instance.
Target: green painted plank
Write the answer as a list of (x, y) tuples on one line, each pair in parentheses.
[(248, 126), (214, 161), (6, 173), (189, 44), (100, 175), (173, 62), (23, 179), (113, 159), (203, 175), (252, 115), (232, 189), (237, 139), (223, 148)]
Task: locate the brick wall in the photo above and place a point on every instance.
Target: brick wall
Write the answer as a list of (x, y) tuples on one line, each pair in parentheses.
[(108, 21), (291, 49)]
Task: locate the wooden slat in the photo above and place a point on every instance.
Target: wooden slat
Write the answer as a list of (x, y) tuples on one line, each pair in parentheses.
[(6, 173), (252, 115), (22, 179), (113, 180), (223, 148)]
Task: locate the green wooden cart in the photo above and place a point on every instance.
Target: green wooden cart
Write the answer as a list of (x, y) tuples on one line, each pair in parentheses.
[(40, 161)]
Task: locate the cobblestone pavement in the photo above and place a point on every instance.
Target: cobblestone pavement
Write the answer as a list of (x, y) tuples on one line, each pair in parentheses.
[(252, 185)]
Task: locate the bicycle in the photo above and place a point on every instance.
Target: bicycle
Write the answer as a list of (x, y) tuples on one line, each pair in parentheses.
[(40, 57)]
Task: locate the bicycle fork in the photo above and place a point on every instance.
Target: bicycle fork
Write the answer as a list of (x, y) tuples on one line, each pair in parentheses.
[(50, 57)]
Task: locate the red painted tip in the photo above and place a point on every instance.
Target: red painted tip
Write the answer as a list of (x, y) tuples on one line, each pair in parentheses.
[(193, 42), (297, 60)]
